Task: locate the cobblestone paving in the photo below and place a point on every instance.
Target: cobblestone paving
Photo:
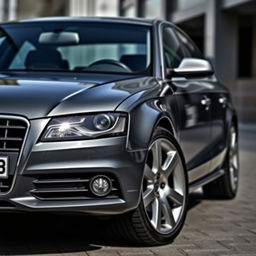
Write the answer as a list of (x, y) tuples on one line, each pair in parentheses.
[(212, 227)]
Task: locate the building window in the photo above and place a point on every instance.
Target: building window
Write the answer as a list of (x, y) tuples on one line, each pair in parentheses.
[(42, 8), (153, 8), (105, 8), (128, 8), (185, 4), (245, 47), (130, 12)]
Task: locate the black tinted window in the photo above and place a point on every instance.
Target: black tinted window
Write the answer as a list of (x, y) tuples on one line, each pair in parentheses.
[(76, 46), (173, 53), (190, 49)]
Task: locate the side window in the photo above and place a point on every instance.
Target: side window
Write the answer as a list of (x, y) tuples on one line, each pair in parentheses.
[(190, 49), (173, 53)]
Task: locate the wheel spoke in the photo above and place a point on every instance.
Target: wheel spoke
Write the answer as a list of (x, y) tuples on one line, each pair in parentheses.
[(157, 155), (148, 196), (233, 140), (149, 174), (167, 213), (156, 214), (231, 170), (164, 187), (234, 165), (170, 162), (232, 177), (175, 197), (233, 160), (232, 152)]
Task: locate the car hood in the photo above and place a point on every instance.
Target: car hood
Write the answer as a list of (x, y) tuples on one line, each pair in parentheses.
[(41, 95)]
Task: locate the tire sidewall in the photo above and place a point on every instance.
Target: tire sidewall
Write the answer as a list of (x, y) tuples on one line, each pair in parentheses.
[(227, 163), (164, 238)]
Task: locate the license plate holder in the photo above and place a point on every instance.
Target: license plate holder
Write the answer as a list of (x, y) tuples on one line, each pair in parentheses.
[(4, 167)]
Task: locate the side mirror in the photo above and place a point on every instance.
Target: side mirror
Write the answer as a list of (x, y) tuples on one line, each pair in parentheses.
[(192, 67)]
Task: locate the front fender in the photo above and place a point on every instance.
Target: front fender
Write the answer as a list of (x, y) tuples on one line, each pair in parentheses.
[(142, 121)]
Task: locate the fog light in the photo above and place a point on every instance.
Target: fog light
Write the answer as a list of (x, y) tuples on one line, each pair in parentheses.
[(101, 185)]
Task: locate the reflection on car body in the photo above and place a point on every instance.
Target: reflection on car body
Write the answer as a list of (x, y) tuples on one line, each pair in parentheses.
[(112, 117)]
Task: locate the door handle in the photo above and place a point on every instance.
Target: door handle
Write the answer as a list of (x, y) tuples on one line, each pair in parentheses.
[(205, 101)]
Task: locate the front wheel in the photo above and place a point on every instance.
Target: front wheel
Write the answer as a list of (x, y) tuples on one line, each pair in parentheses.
[(163, 206)]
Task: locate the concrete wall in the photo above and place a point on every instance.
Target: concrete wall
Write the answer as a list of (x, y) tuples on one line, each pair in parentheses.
[(24, 9), (8, 10), (93, 8), (254, 50)]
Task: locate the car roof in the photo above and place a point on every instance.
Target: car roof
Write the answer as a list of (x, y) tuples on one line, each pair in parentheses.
[(124, 20)]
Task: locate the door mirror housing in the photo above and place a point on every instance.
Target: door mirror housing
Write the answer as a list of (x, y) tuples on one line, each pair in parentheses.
[(192, 67)]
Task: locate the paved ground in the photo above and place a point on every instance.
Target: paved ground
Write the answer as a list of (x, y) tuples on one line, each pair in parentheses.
[(212, 227)]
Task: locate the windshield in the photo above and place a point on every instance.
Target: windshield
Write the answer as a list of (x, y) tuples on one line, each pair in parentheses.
[(76, 47)]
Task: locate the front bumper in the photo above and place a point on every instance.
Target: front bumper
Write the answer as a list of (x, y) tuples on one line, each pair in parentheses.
[(87, 158)]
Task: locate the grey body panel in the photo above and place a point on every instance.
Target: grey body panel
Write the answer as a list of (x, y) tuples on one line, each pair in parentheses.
[(148, 101)]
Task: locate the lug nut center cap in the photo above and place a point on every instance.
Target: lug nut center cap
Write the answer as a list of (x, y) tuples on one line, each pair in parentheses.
[(162, 185)]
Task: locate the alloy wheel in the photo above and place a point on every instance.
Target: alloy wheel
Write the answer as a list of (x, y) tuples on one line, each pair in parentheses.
[(233, 160), (164, 186)]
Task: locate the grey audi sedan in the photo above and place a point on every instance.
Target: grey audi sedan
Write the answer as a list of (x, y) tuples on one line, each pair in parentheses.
[(108, 117)]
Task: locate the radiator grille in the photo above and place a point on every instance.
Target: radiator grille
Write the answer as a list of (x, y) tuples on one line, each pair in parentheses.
[(12, 133), (5, 184)]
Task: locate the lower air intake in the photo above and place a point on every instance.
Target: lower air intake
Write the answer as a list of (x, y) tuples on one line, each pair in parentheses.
[(69, 187)]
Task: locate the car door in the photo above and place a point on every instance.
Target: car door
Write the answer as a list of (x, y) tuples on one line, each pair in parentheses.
[(193, 101), (218, 96), (219, 128)]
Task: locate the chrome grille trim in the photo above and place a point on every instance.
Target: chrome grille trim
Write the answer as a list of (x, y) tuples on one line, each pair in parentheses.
[(75, 186), (5, 149), (12, 133)]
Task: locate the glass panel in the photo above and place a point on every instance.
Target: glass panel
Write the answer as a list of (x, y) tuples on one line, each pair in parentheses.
[(190, 48), (41, 8), (20, 57), (173, 53), (106, 8), (75, 46), (130, 11), (84, 55), (153, 8), (185, 4)]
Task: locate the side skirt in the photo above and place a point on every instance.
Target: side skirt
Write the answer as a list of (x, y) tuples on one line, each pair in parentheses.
[(201, 182), (205, 174)]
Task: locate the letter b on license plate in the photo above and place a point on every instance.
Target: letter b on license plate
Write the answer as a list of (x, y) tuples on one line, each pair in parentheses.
[(3, 167)]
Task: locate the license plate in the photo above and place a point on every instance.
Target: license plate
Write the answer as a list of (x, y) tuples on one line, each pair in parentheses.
[(3, 167)]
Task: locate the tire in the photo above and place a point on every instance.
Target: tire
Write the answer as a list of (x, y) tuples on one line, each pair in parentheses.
[(226, 186), (164, 190)]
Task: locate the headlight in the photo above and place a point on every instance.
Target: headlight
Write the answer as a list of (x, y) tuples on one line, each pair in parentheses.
[(85, 127)]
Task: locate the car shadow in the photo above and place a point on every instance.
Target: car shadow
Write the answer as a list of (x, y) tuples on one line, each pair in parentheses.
[(44, 233), (195, 199), (49, 233)]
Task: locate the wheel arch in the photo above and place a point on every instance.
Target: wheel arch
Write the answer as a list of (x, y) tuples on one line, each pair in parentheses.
[(166, 123), (234, 121), (143, 121)]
